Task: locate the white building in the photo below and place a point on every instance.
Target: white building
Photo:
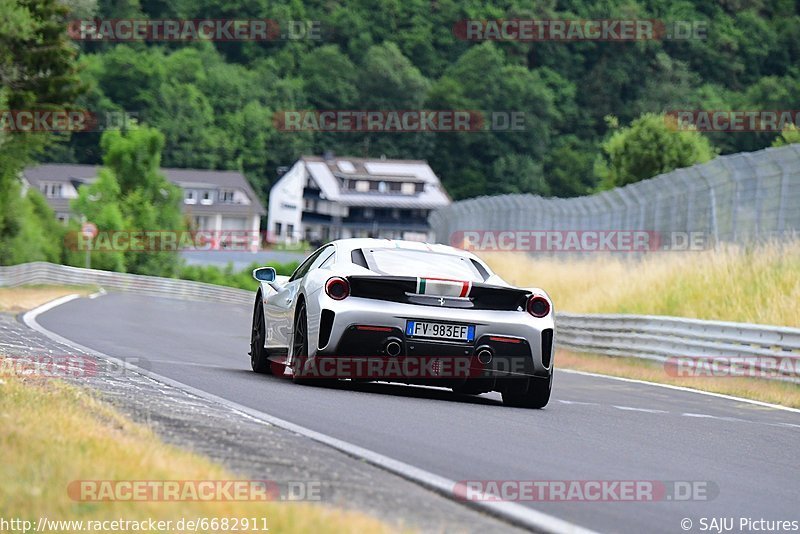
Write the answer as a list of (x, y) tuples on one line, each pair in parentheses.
[(212, 200), (324, 198)]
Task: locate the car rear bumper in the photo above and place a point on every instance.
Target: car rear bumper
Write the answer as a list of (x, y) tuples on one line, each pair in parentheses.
[(519, 344)]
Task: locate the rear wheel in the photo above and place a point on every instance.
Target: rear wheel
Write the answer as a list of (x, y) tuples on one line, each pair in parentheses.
[(537, 396), (258, 355), (300, 346)]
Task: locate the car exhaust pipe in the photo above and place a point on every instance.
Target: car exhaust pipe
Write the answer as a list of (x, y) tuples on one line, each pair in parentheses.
[(485, 355), (393, 347)]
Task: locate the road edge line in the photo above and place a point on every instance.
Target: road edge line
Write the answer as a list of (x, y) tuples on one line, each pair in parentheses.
[(511, 512), (682, 388)]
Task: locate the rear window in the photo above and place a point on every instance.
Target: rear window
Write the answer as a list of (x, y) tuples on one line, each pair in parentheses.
[(402, 262)]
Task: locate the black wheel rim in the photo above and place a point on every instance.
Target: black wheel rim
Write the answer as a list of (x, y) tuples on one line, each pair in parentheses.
[(257, 334), (300, 347)]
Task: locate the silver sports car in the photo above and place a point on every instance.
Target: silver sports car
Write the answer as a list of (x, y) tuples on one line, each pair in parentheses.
[(402, 311)]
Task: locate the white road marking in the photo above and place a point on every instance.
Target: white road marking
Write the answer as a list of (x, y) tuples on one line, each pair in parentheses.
[(681, 388), (632, 409), (686, 414), (510, 511), (579, 403), (787, 424)]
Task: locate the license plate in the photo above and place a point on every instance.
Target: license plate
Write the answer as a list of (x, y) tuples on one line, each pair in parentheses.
[(452, 332)]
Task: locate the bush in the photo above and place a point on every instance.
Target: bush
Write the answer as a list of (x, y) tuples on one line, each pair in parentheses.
[(38, 236), (647, 148), (226, 276)]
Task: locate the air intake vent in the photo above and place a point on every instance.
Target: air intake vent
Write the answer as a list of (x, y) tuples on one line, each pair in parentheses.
[(547, 346), (325, 327)]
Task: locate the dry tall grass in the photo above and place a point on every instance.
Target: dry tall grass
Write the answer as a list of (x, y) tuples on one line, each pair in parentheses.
[(19, 299), (52, 433), (772, 391), (757, 285)]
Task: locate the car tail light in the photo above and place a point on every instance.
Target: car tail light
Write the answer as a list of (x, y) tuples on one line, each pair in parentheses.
[(538, 306), (337, 288)]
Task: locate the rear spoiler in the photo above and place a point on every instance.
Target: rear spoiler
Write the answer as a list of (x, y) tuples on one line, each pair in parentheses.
[(455, 293)]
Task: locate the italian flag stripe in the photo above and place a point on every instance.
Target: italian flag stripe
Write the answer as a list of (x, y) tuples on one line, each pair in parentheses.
[(443, 287), (466, 289), (421, 286)]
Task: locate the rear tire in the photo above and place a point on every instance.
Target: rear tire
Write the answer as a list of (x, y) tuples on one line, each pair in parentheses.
[(537, 396), (300, 346), (259, 359)]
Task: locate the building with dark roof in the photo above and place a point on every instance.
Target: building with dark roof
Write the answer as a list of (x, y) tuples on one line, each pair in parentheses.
[(212, 200), (325, 198)]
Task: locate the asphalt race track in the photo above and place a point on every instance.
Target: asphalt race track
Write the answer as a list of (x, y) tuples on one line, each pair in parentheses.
[(593, 429)]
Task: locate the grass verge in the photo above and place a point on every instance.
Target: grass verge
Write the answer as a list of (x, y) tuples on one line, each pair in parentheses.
[(754, 285), (52, 433), (771, 391), (23, 298)]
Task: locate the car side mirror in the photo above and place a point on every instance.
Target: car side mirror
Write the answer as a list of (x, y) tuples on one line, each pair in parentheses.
[(264, 274)]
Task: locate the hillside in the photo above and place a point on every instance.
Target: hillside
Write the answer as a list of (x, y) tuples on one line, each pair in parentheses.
[(218, 103)]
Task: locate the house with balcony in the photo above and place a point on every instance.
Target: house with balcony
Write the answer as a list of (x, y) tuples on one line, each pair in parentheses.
[(212, 200), (324, 198)]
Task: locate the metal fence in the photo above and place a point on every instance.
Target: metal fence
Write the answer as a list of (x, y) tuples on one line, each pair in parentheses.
[(710, 347), (739, 198), (49, 273), (641, 336)]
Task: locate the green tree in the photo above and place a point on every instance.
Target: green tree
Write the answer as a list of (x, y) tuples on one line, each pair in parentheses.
[(40, 235), (648, 147), (569, 167), (99, 203), (37, 71), (132, 195), (392, 54), (517, 173), (330, 79)]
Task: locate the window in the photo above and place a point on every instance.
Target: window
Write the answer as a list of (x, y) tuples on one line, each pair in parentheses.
[(52, 190), (408, 262), (306, 265), (226, 196), (207, 198), (290, 231), (190, 196), (407, 188), (278, 229)]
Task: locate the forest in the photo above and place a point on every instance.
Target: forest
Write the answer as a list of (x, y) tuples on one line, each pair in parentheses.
[(215, 101)]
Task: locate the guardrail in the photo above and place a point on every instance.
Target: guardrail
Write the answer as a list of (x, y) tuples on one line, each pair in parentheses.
[(49, 273), (658, 338), (664, 338)]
